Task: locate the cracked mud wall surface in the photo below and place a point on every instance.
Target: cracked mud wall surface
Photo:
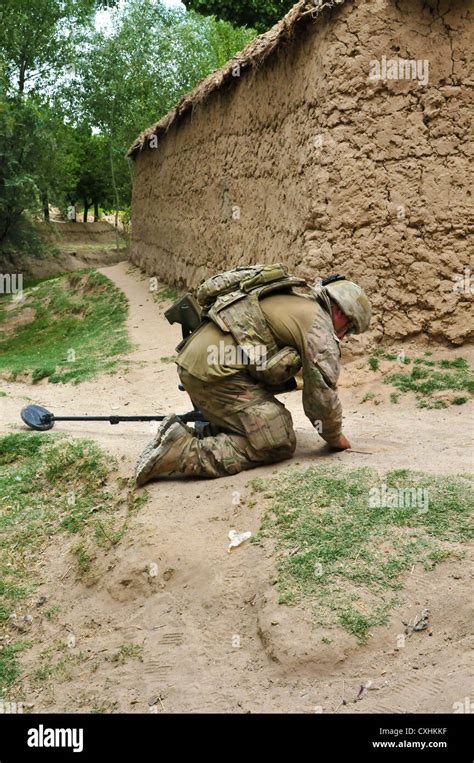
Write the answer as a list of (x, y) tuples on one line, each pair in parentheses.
[(309, 162)]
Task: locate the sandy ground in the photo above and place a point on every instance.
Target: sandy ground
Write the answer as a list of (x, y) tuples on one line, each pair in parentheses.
[(213, 636)]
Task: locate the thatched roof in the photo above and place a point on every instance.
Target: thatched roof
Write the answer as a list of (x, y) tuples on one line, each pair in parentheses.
[(251, 56)]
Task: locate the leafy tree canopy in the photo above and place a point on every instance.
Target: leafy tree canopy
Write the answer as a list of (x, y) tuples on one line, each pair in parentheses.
[(259, 14), (75, 94)]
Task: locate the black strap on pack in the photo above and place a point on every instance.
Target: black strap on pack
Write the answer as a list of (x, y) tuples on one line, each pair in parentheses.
[(331, 279)]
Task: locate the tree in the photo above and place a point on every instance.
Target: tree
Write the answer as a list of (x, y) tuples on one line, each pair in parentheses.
[(18, 190), (93, 184), (39, 160), (259, 14), (129, 77), (37, 39), (37, 42), (73, 99)]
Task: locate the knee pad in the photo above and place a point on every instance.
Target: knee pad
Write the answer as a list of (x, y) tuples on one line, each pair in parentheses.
[(269, 428)]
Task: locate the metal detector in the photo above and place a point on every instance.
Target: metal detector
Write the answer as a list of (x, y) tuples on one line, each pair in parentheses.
[(39, 418)]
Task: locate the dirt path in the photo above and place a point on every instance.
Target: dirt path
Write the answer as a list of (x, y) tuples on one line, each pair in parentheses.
[(213, 636)]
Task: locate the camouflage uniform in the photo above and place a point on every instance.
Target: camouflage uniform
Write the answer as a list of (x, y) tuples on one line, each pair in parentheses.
[(258, 429), (255, 427)]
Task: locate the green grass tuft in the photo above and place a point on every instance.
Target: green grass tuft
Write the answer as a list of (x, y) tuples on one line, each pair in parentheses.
[(9, 667), (167, 294), (425, 379), (345, 557), (374, 363), (76, 329), (70, 497), (128, 652)]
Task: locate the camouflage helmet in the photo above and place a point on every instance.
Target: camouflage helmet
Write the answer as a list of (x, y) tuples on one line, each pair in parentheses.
[(353, 302)]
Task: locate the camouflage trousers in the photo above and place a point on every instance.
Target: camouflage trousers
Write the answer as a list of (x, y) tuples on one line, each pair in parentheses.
[(257, 428)]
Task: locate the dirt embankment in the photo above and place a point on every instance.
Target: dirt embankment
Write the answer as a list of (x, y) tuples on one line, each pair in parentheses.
[(72, 246), (207, 624)]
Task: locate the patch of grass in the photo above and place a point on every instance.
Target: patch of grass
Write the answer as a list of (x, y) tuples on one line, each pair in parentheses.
[(2, 393), (258, 485), (168, 294), (16, 447), (456, 363), (374, 363), (77, 329), (400, 357), (168, 359), (128, 652), (107, 706), (349, 551), (394, 397), (29, 281), (71, 497), (69, 479), (84, 558), (51, 613), (435, 557), (368, 396), (54, 665), (424, 362), (424, 402), (9, 667), (425, 379)]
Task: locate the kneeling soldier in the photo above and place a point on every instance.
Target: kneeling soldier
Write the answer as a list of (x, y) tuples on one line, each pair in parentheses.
[(255, 333)]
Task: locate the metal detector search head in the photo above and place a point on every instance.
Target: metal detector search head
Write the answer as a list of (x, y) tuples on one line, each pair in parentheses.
[(37, 417)]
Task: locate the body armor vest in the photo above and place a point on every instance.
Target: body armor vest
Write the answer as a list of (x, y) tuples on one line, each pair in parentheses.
[(232, 301)]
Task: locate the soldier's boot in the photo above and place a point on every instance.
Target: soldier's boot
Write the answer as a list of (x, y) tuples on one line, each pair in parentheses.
[(152, 446), (164, 454)]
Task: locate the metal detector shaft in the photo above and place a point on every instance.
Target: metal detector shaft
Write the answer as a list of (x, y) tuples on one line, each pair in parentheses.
[(191, 416)]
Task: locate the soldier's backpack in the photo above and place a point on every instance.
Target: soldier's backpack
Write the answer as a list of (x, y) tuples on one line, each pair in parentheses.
[(232, 301)]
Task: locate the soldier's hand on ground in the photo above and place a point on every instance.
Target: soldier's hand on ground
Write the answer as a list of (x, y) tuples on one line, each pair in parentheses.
[(342, 444)]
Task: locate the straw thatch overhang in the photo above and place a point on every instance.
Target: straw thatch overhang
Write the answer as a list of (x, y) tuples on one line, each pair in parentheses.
[(252, 56)]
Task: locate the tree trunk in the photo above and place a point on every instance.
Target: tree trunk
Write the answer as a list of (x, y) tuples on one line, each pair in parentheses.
[(5, 229), (86, 210), (22, 77), (114, 185), (45, 202), (96, 211)]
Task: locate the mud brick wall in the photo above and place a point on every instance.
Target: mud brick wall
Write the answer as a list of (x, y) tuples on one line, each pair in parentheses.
[(308, 161)]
